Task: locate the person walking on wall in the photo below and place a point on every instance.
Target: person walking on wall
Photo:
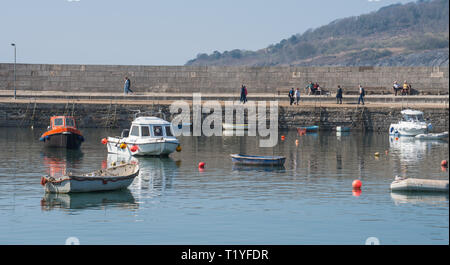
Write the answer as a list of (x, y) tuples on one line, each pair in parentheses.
[(127, 86), (297, 96), (291, 96), (339, 95), (243, 96), (362, 93)]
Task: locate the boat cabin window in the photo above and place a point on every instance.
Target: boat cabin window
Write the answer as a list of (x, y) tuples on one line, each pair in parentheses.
[(58, 122), (409, 117), (134, 131), (70, 122), (168, 131), (145, 131), (157, 131)]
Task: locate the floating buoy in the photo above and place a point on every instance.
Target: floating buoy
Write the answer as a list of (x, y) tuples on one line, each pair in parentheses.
[(178, 148), (134, 148), (296, 142), (123, 146), (104, 141), (444, 163), (282, 137), (201, 165), (357, 184)]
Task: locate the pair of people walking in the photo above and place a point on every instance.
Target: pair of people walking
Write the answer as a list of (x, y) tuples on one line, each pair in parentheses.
[(294, 96), (339, 93), (244, 93)]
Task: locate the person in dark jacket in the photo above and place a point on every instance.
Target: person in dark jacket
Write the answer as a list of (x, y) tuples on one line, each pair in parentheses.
[(127, 86), (339, 95), (291, 96), (362, 93)]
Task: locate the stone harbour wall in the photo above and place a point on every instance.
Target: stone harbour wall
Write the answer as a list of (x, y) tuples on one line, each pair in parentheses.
[(215, 79), (121, 115)]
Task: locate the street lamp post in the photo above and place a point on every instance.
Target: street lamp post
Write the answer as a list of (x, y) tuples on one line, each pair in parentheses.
[(13, 44)]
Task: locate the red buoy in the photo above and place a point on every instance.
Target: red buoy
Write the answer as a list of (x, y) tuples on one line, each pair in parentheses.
[(444, 163), (282, 137), (357, 184), (201, 165), (104, 141), (134, 148)]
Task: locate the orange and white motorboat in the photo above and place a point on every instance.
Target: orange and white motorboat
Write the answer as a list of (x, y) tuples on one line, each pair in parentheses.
[(62, 132)]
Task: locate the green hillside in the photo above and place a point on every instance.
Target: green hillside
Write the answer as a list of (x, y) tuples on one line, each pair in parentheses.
[(413, 34)]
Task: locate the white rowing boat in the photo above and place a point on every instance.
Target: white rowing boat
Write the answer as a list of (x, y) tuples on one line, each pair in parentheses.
[(113, 178)]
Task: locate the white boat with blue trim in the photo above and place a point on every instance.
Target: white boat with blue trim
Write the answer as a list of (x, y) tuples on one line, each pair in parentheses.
[(411, 124)]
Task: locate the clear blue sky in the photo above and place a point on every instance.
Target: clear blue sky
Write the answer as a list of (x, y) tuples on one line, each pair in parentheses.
[(150, 32)]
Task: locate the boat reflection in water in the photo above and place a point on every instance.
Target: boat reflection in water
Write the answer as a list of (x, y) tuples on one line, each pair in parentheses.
[(155, 173), (122, 199), (431, 198), (410, 149), (261, 168), (58, 162)]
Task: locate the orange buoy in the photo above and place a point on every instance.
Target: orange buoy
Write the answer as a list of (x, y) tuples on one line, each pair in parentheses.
[(178, 148), (444, 163), (396, 138), (134, 148), (104, 141), (201, 165), (296, 142), (123, 146), (357, 184), (282, 137)]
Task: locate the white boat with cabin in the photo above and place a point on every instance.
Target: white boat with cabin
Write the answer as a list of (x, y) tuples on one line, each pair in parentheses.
[(411, 124), (147, 136)]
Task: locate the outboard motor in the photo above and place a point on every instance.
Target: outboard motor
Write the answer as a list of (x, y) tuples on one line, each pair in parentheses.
[(125, 133)]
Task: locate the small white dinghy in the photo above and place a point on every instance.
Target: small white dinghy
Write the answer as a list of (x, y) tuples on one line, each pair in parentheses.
[(113, 178), (412, 184), (432, 136)]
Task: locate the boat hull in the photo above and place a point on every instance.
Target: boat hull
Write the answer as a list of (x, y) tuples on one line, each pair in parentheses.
[(258, 160), (432, 136), (64, 140), (157, 148)]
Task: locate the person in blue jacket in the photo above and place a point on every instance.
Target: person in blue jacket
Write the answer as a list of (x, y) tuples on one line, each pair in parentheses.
[(127, 86)]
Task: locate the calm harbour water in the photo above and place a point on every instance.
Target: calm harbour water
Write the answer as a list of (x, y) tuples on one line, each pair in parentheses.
[(309, 201)]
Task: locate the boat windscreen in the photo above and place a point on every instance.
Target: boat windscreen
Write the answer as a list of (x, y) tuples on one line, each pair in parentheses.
[(410, 117), (168, 131), (70, 122), (157, 131), (58, 122)]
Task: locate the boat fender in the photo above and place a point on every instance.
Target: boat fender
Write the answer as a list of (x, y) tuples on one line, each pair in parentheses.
[(123, 146), (43, 181), (104, 141), (178, 148), (134, 148)]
